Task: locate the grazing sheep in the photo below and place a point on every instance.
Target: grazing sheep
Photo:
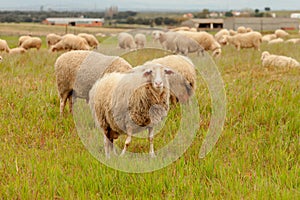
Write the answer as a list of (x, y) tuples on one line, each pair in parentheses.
[(22, 39), (131, 102), (232, 32), (156, 35), (245, 40), (91, 39), (276, 41), (70, 42), (185, 45), (77, 71), (271, 60), (4, 46), (241, 29), (219, 35), (182, 28), (183, 82), (281, 33), (249, 29), (17, 50), (167, 40), (268, 37), (33, 42), (206, 40), (126, 41), (293, 41), (140, 40), (52, 39)]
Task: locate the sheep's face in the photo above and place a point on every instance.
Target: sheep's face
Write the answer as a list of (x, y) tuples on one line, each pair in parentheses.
[(264, 55), (217, 53), (156, 35), (156, 75)]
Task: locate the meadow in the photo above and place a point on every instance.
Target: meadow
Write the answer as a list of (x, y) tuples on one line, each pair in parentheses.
[(256, 157)]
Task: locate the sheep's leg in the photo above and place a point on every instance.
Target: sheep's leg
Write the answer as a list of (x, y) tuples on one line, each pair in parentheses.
[(127, 142), (106, 145), (151, 135), (63, 101), (70, 104)]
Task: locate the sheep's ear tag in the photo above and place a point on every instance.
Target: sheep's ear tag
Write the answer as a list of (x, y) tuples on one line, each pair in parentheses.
[(147, 72), (169, 71)]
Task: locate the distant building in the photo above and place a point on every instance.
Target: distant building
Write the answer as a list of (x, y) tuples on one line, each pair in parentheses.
[(295, 15), (87, 22)]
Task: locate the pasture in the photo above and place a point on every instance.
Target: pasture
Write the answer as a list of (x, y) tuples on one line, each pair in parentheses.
[(256, 157)]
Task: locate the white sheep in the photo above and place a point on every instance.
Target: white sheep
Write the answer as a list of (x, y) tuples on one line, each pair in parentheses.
[(70, 42), (241, 29), (17, 50), (268, 37), (232, 32), (245, 40), (281, 33), (77, 71), (33, 42), (4, 46), (206, 40), (249, 29), (276, 41), (140, 40), (22, 39), (52, 39), (91, 39), (126, 41), (183, 82), (271, 60), (156, 35), (131, 102), (219, 35), (293, 41)]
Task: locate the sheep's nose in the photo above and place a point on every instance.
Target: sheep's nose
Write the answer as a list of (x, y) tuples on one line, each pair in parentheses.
[(158, 83)]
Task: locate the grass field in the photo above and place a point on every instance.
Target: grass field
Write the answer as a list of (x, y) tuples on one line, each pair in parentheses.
[(256, 157)]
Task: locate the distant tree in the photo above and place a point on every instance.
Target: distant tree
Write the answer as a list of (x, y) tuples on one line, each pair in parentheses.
[(158, 21), (267, 9), (256, 11), (228, 14)]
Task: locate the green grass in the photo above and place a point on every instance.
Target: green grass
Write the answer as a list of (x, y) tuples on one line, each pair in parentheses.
[(256, 157)]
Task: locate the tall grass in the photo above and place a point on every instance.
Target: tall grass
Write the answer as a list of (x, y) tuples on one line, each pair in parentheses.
[(256, 157)]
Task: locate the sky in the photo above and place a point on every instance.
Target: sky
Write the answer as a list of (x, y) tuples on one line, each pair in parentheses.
[(151, 5)]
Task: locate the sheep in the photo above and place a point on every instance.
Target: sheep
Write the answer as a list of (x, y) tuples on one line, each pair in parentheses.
[(4, 46), (293, 41), (17, 50), (206, 40), (140, 40), (271, 60), (268, 37), (276, 41), (185, 45), (52, 39), (156, 35), (22, 39), (126, 41), (281, 33), (76, 72), (70, 42), (219, 35), (241, 29), (131, 102), (249, 29), (232, 32), (33, 42), (91, 39), (245, 40), (183, 82)]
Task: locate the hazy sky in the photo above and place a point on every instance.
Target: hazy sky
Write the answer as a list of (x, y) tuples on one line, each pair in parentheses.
[(149, 4)]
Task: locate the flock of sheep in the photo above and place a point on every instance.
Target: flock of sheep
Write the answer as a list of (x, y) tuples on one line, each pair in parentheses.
[(127, 100)]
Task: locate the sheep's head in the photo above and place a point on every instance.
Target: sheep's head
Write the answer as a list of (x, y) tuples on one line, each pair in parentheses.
[(217, 52), (264, 55), (156, 35)]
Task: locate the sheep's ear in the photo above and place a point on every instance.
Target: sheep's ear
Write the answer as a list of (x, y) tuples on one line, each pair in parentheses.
[(148, 72), (168, 71)]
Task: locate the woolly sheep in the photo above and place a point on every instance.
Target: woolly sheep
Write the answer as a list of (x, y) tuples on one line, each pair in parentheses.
[(206, 40), (183, 82), (219, 35), (91, 39), (185, 45), (70, 42), (249, 29), (182, 28), (77, 71), (245, 40), (271, 60), (33, 42), (293, 41), (268, 37), (17, 50), (241, 29), (232, 32), (140, 40), (276, 41), (4, 46), (52, 39), (126, 41), (281, 33), (22, 39), (156, 35), (131, 102)]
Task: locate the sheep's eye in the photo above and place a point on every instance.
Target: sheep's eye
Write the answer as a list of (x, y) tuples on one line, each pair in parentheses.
[(148, 72)]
